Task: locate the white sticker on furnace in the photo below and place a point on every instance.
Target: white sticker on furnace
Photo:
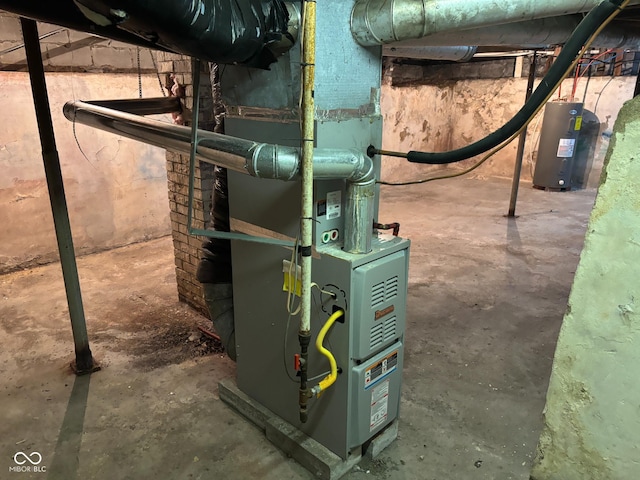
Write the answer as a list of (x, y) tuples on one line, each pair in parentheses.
[(379, 405), (334, 204), (566, 147)]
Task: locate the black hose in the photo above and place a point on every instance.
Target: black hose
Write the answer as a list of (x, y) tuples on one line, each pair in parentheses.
[(587, 27)]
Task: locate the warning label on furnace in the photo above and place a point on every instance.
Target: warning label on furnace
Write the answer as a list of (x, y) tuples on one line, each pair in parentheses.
[(379, 405), (380, 369), (334, 204), (566, 147)]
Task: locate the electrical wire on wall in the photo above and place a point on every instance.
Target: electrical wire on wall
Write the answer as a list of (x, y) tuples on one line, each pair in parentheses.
[(580, 41)]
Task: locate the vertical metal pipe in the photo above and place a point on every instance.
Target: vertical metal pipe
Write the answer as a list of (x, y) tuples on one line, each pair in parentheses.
[(308, 114), (521, 142), (84, 360), (359, 216)]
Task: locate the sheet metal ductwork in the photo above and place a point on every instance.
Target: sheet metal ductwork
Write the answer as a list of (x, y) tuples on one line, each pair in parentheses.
[(260, 160), (380, 22), (249, 32), (540, 33)]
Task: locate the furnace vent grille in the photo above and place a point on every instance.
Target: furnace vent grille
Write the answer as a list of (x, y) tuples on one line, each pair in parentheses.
[(391, 288), (384, 291), (382, 332), (377, 294)]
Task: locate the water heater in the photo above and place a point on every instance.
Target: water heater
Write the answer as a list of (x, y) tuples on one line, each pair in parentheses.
[(558, 141)]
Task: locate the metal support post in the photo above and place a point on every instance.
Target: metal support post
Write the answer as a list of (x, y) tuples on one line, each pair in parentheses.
[(84, 361), (521, 142)]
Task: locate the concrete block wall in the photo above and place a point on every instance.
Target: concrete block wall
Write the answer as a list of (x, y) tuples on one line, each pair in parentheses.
[(176, 68)]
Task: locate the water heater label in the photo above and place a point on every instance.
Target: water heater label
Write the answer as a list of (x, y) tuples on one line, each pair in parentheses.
[(334, 204), (566, 147), (379, 405)]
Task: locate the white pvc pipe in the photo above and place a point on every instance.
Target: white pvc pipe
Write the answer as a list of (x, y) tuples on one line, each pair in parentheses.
[(380, 22)]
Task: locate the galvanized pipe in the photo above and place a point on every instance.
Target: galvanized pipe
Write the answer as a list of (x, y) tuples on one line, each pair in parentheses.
[(143, 106), (455, 53), (260, 160), (359, 207), (380, 22), (223, 150), (538, 33)]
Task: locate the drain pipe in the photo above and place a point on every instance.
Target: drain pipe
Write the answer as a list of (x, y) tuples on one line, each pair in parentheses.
[(379, 22)]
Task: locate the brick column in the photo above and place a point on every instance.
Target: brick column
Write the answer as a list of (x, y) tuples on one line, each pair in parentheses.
[(177, 69)]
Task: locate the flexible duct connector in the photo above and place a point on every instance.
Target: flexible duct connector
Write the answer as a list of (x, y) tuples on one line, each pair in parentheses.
[(380, 22)]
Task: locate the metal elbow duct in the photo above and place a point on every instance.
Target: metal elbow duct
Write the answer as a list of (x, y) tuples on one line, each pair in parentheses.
[(283, 163), (260, 160), (350, 164), (380, 22), (357, 168)]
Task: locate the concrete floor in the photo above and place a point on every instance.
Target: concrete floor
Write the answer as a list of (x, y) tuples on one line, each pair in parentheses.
[(486, 299)]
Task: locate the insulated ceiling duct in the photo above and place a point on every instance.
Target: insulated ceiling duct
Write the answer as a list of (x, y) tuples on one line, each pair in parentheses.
[(250, 32)]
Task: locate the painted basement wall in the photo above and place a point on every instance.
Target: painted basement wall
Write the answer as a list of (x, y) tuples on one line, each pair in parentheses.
[(117, 196), (591, 422), (440, 118)]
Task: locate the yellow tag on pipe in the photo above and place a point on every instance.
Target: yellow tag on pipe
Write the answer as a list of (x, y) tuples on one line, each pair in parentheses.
[(578, 123), (292, 278)]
